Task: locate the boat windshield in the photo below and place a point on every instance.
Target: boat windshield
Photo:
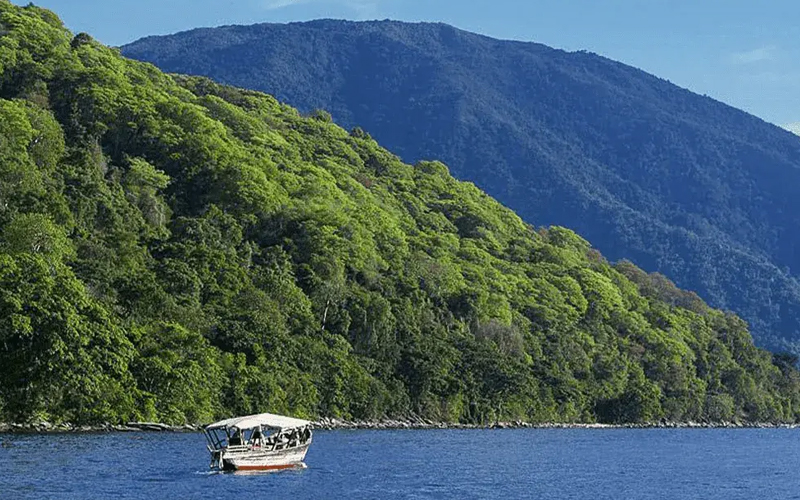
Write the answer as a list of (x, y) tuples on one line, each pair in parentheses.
[(217, 438)]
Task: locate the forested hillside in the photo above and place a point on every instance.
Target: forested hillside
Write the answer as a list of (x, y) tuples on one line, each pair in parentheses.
[(676, 182), (173, 249)]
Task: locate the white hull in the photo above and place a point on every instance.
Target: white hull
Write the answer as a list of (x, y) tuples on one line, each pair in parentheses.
[(264, 460)]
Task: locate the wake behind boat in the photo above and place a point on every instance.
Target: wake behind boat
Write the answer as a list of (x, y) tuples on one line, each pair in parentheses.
[(258, 442)]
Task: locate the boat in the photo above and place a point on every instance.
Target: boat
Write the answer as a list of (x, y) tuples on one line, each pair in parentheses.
[(260, 442)]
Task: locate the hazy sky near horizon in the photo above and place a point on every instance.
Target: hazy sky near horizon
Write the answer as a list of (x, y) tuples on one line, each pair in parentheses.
[(741, 52)]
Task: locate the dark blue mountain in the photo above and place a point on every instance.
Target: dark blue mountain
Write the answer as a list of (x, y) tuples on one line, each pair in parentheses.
[(676, 182)]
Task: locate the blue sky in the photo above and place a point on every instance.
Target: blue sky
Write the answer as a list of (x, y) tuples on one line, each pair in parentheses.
[(744, 53)]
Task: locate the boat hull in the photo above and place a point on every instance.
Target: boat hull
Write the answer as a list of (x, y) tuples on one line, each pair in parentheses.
[(255, 460)]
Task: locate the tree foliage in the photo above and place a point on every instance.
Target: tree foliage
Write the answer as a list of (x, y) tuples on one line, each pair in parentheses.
[(676, 182), (179, 250)]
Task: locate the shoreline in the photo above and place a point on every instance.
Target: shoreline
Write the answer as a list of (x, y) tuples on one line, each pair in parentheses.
[(420, 423), (384, 424)]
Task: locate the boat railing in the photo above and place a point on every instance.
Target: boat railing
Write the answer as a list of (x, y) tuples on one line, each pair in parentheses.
[(239, 441)]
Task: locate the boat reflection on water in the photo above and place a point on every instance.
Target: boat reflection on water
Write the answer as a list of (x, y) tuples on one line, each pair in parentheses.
[(258, 443)]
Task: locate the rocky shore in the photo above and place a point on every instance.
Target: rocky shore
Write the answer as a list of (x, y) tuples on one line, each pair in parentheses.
[(421, 423), (46, 427), (388, 424)]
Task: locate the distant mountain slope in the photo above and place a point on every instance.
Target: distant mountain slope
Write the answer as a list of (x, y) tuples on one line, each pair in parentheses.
[(645, 170)]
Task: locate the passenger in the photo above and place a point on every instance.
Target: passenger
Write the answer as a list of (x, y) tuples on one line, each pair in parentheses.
[(283, 441), (257, 438), (236, 439)]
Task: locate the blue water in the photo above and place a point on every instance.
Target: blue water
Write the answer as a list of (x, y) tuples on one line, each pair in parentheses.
[(463, 464)]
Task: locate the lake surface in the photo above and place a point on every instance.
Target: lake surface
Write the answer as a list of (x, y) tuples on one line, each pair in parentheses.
[(463, 464)]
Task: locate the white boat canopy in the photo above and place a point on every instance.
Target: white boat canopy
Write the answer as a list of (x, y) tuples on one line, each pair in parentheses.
[(263, 419)]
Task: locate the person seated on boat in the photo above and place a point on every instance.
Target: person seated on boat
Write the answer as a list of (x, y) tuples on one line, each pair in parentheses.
[(269, 442), (305, 435), (283, 441), (236, 439)]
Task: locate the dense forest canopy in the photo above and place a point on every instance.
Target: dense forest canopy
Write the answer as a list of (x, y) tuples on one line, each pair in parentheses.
[(676, 182), (173, 249)]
